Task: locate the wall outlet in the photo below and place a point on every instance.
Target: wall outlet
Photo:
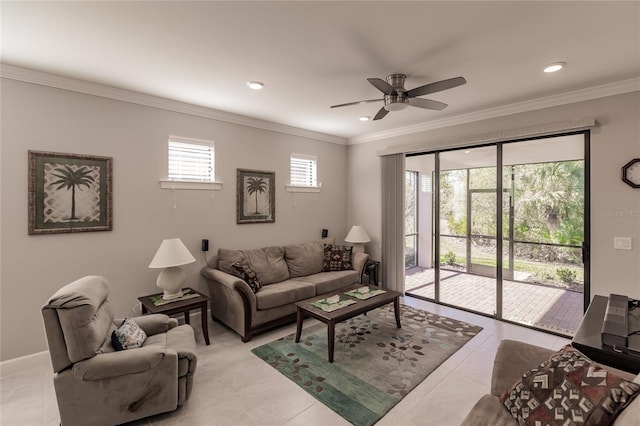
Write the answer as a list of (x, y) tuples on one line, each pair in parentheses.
[(622, 243), (205, 245)]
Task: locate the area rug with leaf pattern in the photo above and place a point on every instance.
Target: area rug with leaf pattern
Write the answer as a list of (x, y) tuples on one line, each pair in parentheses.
[(375, 364)]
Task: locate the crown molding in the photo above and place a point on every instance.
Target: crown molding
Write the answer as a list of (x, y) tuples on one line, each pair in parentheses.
[(595, 92), (81, 86)]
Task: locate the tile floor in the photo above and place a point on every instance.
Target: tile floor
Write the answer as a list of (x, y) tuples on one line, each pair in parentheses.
[(234, 387)]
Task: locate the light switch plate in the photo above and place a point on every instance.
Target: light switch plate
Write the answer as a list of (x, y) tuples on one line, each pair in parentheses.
[(622, 243)]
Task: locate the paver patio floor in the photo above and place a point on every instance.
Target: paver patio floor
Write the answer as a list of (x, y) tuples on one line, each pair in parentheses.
[(548, 308)]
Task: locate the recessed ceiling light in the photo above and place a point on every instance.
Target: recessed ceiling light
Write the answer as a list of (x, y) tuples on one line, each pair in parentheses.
[(556, 66), (467, 151), (365, 118), (255, 85)]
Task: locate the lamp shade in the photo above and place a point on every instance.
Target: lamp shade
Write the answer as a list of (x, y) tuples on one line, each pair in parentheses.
[(172, 252), (357, 234)]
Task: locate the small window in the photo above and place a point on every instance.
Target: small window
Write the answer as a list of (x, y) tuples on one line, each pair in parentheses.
[(304, 170), (191, 160), (191, 165), (425, 183)]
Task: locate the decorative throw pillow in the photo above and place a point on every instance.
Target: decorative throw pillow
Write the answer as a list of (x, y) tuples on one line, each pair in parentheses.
[(128, 335), (568, 389), (242, 270), (337, 258)]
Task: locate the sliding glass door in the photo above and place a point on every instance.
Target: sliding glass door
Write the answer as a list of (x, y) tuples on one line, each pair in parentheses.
[(467, 234), (547, 181), (507, 230)]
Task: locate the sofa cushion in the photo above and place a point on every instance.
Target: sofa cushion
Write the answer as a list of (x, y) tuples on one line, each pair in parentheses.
[(305, 258), (268, 262), (284, 293), (331, 281), (569, 388), (489, 411), (242, 270), (337, 258), (226, 258)]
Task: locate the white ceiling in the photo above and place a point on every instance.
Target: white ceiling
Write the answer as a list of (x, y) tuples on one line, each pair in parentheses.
[(311, 55)]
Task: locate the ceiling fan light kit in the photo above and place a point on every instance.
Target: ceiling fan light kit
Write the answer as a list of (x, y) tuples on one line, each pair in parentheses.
[(397, 98)]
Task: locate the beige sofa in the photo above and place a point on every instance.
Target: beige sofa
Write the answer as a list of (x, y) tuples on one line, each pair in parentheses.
[(287, 274), (512, 360)]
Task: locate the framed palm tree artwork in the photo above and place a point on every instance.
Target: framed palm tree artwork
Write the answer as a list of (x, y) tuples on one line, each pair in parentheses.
[(69, 193), (256, 201)]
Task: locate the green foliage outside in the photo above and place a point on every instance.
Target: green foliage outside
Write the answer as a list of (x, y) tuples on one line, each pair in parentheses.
[(548, 201), (566, 275), (449, 258), (548, 207)]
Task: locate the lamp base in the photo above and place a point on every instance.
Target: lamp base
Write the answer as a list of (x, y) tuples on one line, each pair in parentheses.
[(166, 296), (358, 248), (171, 281)]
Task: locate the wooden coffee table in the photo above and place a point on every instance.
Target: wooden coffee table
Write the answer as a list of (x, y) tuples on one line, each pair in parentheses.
[(305, 308)]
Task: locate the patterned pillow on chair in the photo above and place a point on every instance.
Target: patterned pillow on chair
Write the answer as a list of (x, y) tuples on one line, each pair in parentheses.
[(337, 258), (128, 335)]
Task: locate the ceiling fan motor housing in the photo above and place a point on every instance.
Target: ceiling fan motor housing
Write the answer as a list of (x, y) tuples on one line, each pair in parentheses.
[(396, 102), (399, 100)]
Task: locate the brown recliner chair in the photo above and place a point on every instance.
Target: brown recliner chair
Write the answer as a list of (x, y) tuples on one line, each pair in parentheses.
[(97, 385)]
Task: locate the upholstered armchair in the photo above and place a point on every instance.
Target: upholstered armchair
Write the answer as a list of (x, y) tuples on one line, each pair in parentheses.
[(97, 385)]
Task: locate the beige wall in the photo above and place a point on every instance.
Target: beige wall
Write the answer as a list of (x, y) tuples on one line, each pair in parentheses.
[(615, 207), (42, 118), (47, 119)]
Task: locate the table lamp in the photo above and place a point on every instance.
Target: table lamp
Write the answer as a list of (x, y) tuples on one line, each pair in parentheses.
[(357, 236), (170, 256)]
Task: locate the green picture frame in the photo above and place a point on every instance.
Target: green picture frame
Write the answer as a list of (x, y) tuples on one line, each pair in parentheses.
[(256, 201), (69, 193)]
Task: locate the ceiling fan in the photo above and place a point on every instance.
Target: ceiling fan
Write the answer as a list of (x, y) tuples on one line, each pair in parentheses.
[(396, 97)]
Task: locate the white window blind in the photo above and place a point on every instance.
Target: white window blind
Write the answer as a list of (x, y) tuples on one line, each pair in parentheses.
[(425, 183), (191, 160), (304, 170)]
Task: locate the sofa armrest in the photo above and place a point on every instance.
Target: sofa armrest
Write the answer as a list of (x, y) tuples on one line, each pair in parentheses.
[(113, 364), (512, 360), (152, 323), (359, 261), (231, 282)]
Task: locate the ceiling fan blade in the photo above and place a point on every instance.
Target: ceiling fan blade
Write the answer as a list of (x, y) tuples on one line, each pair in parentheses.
[(382, 86), (380, 115), (357, 102), (427, 104), (436, 87)]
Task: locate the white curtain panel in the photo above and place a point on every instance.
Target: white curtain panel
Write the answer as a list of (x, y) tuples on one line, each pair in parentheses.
[(393, 221)]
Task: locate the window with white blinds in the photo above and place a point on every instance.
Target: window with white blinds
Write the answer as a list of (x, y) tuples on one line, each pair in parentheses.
[(191, 160), (304, 170), (425, 183)]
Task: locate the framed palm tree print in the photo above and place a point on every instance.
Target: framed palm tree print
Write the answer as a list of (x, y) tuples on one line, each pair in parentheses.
[(69, 193), (256, 201)]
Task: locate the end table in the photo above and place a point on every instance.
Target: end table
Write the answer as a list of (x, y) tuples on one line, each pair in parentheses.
[(184, 304), (371, 269)]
